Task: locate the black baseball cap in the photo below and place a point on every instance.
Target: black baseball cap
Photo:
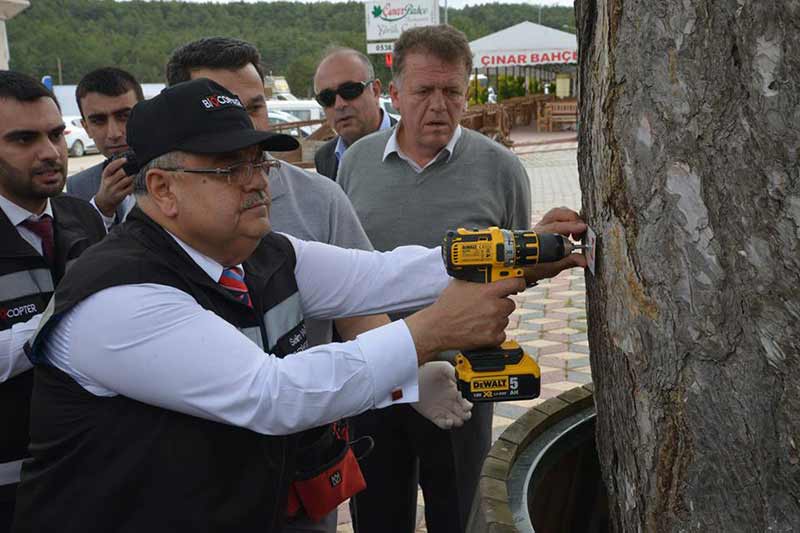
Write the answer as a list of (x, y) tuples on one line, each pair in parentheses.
[(197, 116)]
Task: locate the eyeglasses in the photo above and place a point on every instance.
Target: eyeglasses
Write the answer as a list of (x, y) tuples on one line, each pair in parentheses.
[(349, 90), (238, 173)]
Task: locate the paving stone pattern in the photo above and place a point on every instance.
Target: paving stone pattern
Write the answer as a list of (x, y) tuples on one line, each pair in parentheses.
[(550, 319)]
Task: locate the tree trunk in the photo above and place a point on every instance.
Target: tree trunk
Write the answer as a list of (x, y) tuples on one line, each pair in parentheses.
[(688, 157)]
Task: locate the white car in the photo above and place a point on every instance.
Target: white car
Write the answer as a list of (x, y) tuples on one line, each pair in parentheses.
[(282, 117), (302, 109), (78, 141)]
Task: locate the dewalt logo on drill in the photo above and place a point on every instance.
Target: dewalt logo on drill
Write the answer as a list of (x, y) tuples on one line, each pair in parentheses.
[(493, 383)]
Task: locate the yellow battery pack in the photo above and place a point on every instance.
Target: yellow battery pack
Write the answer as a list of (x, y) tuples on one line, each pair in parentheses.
[(498, 374)]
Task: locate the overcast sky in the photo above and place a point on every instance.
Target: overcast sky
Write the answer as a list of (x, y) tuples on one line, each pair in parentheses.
[(450, 3)]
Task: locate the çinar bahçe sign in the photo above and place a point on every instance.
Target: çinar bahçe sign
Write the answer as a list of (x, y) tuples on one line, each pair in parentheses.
[(388, 19), (523, 58)]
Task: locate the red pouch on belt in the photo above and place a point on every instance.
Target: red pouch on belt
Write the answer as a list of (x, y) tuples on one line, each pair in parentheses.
[(322, 487)]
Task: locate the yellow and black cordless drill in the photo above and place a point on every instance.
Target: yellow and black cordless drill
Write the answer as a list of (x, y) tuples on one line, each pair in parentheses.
[(504, 372)]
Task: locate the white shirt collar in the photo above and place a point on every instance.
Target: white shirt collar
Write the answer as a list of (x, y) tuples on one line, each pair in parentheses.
[(17, 214), (393, 147), (209, 266)]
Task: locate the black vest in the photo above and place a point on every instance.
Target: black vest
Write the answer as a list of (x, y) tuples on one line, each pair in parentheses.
[(104, 464), (26, 284)]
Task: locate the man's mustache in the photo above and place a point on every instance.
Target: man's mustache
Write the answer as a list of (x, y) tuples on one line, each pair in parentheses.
[(256, 198), (48, 167)]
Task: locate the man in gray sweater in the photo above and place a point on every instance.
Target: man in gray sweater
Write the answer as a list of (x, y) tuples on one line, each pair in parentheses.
[(409, 185)]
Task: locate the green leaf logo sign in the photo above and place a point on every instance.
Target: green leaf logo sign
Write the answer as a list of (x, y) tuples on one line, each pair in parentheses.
[(393, 14)]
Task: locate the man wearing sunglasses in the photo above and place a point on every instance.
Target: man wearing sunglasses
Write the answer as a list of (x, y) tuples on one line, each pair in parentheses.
[(346, 88)]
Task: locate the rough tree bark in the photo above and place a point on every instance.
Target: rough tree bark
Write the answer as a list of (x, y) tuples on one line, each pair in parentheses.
[(688, 156)]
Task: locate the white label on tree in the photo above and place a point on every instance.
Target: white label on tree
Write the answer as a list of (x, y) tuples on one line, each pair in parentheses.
[(591, 243)]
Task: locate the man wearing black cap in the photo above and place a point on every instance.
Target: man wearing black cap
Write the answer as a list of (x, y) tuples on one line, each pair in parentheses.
[(164, 399), (312, 208)]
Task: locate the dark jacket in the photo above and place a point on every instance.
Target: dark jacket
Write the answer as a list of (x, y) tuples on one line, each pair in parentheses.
[(26, 284), (85, 184), (325, 157), (115, 464)]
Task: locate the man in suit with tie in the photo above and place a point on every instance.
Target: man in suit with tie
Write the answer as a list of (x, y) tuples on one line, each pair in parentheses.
[(41, 232), (347, 89), (105, 98)]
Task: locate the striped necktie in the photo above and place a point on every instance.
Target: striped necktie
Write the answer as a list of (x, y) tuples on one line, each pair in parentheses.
[(233, 280)]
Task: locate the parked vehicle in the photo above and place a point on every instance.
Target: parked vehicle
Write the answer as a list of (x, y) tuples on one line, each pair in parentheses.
[(283, 96), (78, 141), (302, 109), (281, 117), (277, 88)]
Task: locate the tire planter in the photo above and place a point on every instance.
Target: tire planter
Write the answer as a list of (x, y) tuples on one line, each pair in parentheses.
[(543, 474)]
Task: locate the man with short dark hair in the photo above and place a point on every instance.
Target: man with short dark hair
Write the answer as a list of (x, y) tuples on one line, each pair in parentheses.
[(169, 393), (410, 185), (105, 98), (347, 89), (41, 233)]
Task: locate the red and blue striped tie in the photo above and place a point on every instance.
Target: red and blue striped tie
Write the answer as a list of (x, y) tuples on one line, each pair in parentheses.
[(233, 279)]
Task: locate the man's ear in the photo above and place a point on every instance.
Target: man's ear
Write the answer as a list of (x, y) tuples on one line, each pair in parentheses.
[(161, 190), (376, 88), (394, 94)]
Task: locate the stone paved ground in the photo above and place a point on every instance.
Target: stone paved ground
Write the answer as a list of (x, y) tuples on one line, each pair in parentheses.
[(550, 320)]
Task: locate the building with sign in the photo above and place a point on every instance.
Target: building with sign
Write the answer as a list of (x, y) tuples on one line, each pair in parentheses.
[(386, 20), (527, 49)]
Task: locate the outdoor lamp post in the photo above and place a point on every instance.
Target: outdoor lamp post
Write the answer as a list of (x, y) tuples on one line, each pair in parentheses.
[(8, 9)]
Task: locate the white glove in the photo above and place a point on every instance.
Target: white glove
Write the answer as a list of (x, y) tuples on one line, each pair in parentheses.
[(439, 399)]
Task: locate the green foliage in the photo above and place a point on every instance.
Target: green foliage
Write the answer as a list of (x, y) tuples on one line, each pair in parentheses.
[(139, 36), (482, 95), (510, 86)]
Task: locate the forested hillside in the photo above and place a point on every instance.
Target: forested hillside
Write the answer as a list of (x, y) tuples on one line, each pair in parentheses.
[(138, 36)]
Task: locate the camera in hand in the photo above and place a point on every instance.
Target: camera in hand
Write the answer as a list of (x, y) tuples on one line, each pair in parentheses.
[(131, 167)]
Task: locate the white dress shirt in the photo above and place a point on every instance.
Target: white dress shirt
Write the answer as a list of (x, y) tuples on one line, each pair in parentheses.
[(12, 357), (127, 204), (157, 345)]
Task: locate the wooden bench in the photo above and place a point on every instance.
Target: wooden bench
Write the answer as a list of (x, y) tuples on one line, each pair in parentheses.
[(559, 112), (491, 120)]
